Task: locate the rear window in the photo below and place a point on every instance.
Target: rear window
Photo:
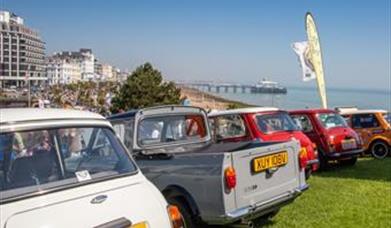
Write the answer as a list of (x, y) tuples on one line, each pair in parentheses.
[(303, 122), (171, 129), (33, 161), (228, 126), (330, 120), (280, 121)]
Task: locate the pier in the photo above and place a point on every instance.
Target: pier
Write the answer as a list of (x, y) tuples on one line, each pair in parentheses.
[(217, 87), (228, 87)]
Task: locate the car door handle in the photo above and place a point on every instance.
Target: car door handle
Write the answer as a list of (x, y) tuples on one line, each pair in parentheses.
[(99, 199)]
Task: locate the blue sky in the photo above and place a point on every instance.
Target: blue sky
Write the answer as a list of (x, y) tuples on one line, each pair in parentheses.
[(235, 41)]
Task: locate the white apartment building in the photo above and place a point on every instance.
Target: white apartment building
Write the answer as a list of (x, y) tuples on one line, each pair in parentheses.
[(69, 67), (87, 60), (107, 72), (63, 71)]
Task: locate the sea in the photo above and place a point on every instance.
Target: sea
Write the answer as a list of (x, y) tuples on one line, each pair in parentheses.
[(304, 97)]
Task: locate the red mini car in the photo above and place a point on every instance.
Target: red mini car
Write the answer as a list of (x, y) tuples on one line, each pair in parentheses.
[(264, 124), (334, 139)]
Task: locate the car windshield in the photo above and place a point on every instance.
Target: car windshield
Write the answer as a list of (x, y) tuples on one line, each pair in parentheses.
[(280, 121), (387, 117), (171, 129), (36, 160), (331, 120)]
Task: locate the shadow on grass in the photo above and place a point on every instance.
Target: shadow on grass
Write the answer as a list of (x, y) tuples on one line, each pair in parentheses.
[(365, 168), (258, 224)]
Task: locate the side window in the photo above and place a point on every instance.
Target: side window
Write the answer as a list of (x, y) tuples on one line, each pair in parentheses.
[(125, 129), (229, 126), (304, 122), (364, 121)]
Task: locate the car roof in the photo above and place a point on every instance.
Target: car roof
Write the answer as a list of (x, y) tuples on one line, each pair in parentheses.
[(361, 111), (243, 110), (311, 111), (123, 115), (132, 113), (9, 115)]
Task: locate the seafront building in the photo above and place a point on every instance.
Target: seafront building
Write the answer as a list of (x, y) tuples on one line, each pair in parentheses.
[(71, 66), (22, 53), (106, 72), (63, 71)]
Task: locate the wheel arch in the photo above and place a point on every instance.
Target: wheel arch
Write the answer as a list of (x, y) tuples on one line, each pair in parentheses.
[(378, 139), (180, 192)]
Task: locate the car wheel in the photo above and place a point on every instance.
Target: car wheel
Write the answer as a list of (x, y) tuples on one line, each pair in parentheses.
[(323, 162), (185, 212), (379, 149), (348, 162)]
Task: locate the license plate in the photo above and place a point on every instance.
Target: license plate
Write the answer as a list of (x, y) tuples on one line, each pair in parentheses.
[(269, 161), (349, 144)]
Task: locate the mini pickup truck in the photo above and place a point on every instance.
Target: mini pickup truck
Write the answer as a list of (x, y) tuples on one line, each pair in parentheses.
[(238, 182)]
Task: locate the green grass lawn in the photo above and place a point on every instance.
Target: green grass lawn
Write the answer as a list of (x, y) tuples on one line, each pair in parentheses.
[(357, 196)]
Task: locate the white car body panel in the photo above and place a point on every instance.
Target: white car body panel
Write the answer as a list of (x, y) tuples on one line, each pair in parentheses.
[(131, 197)]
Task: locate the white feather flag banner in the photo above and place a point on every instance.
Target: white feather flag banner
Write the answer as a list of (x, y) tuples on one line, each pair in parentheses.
[(301, 49)]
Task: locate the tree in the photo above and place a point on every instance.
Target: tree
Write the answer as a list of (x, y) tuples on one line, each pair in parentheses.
[(145, 88)]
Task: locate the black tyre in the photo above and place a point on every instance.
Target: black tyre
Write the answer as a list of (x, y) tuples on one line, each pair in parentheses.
[(185, 211), (323, 162), (349, 162), (379, 149)]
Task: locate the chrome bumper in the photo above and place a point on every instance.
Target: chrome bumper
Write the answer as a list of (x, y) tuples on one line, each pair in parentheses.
[(351, 153), (262, 208), (314, 161)]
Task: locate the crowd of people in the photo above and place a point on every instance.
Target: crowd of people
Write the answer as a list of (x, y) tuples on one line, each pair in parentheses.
[(91, 96)]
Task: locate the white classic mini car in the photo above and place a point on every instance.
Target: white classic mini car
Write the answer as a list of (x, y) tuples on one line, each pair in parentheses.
[(67, 168)]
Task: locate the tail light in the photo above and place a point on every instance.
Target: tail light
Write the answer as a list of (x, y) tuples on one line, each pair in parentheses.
[(303, 158), (175, 217), (230, 177)]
